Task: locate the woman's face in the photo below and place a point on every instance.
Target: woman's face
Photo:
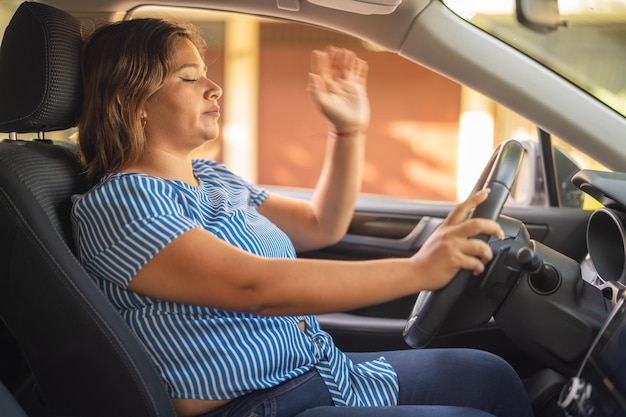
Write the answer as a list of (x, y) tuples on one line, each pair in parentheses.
[(182, 115)]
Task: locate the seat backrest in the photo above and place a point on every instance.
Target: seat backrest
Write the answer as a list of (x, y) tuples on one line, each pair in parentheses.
[(8, 406), (84, 360)]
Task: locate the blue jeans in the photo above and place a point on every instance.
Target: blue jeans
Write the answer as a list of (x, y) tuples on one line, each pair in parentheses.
[(433, 383)]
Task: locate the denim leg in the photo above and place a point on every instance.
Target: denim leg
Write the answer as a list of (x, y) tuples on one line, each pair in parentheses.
[(433, 383), (305, 395), (456, 377), (285, 400)]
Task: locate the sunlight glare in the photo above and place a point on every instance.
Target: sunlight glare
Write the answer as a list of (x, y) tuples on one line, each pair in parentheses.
[(475, 146)]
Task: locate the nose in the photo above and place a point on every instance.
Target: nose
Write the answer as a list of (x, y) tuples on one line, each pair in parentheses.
[(213, 91)]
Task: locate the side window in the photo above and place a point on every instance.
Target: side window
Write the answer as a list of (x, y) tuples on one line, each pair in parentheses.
[(7, 9), (569, 156), (429, 137)]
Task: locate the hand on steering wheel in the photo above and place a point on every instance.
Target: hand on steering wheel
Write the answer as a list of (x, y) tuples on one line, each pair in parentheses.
[(451, 246), (432, 307)]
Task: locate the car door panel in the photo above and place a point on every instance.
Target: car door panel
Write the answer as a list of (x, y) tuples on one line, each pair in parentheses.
[(390, 227)]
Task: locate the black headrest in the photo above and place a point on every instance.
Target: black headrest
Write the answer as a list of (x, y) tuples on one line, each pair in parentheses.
[(40, 83)]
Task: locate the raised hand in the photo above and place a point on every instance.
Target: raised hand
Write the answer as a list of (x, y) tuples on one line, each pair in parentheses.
[(337, 86)]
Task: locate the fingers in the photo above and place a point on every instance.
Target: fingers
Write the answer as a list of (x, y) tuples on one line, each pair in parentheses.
[(359, 71), (347, 66), (315, 85), (476, 249), (338, 64), (473, 227), (460, 212), (452, 243), (319, 63), (341, 60), (455, 246), (475, 254)]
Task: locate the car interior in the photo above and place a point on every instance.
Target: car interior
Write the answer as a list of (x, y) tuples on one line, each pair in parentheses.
[(65, 351)]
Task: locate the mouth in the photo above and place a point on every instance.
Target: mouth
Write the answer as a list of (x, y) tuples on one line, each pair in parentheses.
[(213, 111)]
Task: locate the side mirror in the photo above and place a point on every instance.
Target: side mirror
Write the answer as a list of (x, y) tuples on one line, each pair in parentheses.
[(530, 186), (539, 15)]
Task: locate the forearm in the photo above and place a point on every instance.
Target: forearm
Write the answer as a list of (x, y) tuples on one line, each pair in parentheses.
[(314, 286), (228, 278), (339, 184), (337, 87)]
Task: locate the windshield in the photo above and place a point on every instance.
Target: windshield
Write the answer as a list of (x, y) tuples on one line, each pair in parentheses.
[(587, 48)]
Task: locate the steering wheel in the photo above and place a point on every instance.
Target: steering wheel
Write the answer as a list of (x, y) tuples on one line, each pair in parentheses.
[(432, 307)]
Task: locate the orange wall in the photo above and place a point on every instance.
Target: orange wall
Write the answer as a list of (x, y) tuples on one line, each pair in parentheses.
[(411, 148)]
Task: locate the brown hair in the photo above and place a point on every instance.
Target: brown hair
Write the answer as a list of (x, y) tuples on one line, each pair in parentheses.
[(123, 64)]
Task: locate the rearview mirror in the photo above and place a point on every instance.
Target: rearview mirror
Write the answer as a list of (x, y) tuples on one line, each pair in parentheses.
[(539, 15)]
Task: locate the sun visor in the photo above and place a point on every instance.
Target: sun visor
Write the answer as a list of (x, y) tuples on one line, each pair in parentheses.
[(360, 6)]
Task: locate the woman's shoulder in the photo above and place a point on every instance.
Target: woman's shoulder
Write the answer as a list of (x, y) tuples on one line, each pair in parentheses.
[(131, 182), (121, 189)]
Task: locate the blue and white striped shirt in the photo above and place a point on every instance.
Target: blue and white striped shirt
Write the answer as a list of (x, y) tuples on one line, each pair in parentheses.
[(202, 352)]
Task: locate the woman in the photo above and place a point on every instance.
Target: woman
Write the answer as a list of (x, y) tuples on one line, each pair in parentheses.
[(202, 265)]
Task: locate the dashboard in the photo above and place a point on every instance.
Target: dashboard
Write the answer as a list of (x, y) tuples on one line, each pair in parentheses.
[(599, 387)]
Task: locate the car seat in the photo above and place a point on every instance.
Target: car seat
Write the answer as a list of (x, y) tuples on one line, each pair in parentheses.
[(8, 406), (80, 357)]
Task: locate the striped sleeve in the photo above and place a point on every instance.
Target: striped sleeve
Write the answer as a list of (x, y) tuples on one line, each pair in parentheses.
[(123, 223)]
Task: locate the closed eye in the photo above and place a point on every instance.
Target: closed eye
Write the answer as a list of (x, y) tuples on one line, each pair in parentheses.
[(189, 80)]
